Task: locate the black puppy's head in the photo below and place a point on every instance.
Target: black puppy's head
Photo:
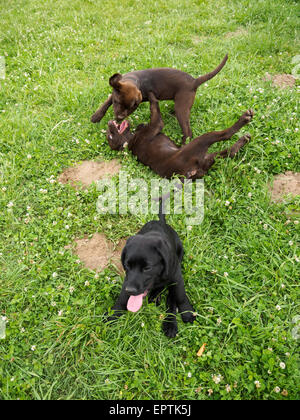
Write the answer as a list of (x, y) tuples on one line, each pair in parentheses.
[(146, 262)]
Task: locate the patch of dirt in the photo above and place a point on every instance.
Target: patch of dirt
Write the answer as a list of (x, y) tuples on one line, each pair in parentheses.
[(237, 33), (98, 252), (282, 81), (198, 39), (84, 174), (284, 184)]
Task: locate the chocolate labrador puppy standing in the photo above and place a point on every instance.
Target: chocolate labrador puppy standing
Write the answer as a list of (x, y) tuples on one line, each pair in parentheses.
[(162, 155), (152, 262), (132, 88)]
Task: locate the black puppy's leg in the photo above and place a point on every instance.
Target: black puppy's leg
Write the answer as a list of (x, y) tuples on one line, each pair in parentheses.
[(210, 158), (184, 306), (170, 327), (120, 306), (155, 295), (99, 114)]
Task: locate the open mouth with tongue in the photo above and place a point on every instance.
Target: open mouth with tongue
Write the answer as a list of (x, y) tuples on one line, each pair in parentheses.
[(135, 302), (121, 127)]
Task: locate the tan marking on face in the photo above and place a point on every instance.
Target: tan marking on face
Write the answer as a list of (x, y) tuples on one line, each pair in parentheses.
[(130, 93)]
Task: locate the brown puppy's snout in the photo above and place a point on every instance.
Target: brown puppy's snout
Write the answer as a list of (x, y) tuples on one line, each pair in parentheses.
[(120, 117)]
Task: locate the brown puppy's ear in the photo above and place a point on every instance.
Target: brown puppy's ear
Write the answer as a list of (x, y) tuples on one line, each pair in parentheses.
[(114, 81), (139, 96)]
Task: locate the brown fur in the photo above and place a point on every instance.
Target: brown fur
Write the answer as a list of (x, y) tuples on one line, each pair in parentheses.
[(133, 88), (157, 151)]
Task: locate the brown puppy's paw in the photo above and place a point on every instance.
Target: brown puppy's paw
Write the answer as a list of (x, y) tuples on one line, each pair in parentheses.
[(247, 116), (97, 117), (170, 328), (247, 137)]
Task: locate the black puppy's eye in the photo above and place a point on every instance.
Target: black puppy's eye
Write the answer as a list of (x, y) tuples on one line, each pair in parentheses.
[(148, 268)]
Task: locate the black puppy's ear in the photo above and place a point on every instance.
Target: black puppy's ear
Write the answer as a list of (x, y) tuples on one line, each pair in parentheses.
[(124, 251), (163, 249), (114, 81)]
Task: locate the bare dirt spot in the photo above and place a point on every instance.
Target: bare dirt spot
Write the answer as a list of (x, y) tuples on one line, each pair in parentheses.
[(98, 252), (85, 173), (198, 39), (285, 184), (282, 81), (239, 32)]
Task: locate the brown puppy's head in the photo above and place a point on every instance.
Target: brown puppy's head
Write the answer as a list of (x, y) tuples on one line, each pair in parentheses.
[(118, 135), (126, 96)]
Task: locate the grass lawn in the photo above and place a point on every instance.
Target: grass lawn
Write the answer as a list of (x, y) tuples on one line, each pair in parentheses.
[(241, 265)]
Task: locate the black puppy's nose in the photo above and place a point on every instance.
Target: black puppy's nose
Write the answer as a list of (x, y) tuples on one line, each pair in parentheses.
[(131, 290)]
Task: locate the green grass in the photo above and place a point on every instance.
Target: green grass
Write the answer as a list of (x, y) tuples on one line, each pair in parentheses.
[(59, 56)]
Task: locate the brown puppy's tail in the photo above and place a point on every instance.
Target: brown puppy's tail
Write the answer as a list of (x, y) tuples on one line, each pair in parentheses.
[(208, 76)]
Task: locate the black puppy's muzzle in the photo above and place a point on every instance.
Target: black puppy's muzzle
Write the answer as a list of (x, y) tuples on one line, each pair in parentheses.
[(132, 291)]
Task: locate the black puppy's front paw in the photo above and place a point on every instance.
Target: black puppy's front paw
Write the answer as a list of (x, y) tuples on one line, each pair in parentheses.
[(188, 317), (112, 317), (170, 328)]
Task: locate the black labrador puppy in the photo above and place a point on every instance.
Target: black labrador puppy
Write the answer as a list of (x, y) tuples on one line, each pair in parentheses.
[(152, 261)]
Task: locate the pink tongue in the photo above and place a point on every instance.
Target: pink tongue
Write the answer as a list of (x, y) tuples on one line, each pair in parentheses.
[(135, 302)]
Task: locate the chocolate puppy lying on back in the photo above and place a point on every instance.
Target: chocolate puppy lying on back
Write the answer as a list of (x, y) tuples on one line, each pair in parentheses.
[(133, 88), (156, 150)]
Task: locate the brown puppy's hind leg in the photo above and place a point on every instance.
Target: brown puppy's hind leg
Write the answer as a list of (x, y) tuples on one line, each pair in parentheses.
[(183, 103), (210, 158)]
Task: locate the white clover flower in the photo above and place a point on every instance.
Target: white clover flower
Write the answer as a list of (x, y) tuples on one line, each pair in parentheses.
[(33, 348), (278, 307), (29, 156), (217, 378), (228, 388), (219, 321), (189, 375), (257, 384), (54, 275), (227, 203), (282, 365), (291, 243), (226, 274), (277, 389), (10, 204)]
